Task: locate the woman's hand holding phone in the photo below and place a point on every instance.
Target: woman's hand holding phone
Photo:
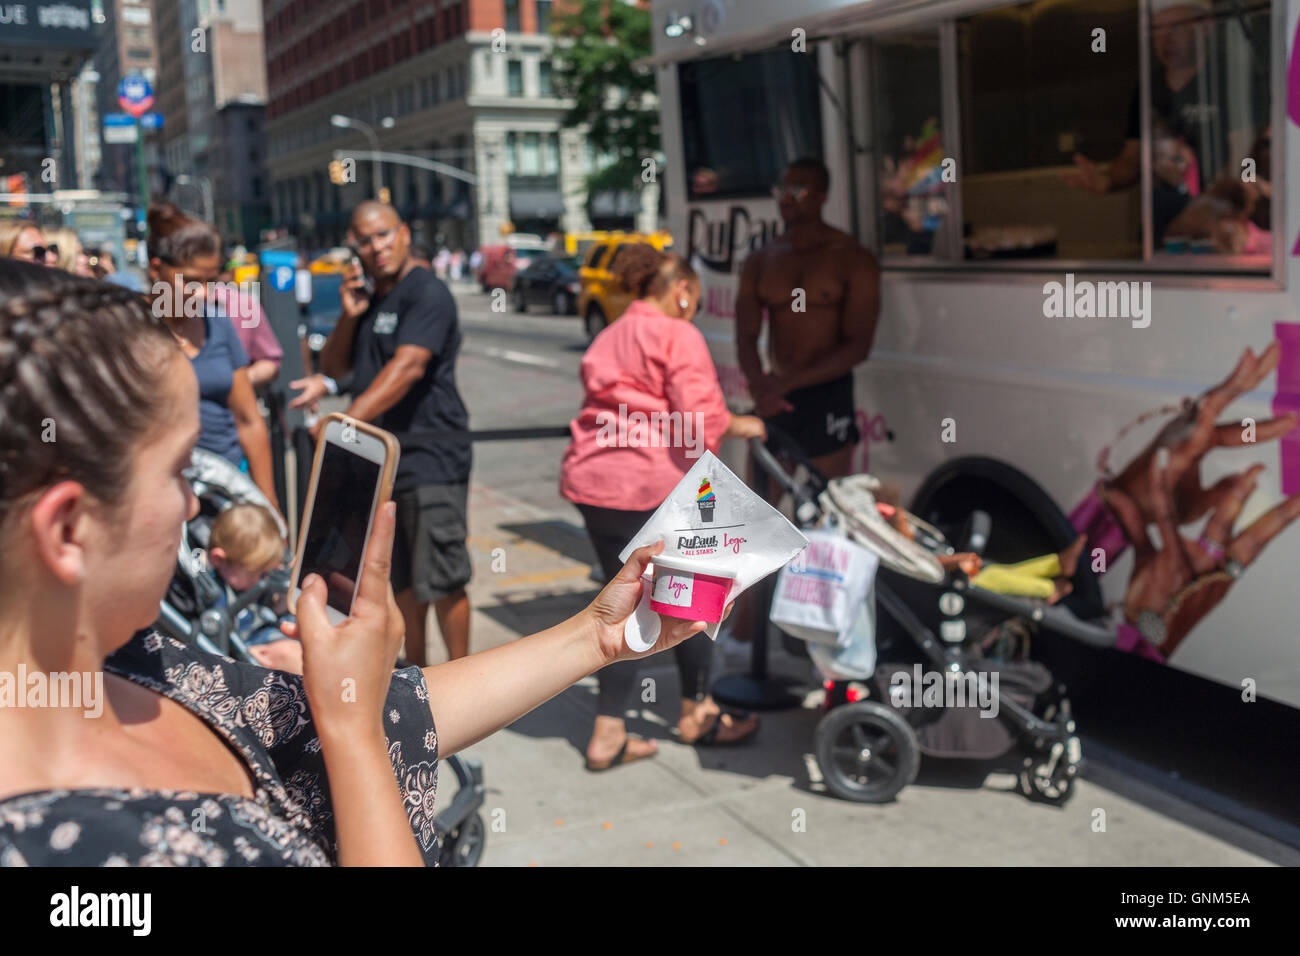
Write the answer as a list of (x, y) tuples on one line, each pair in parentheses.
[(347, 669), (608, 613)]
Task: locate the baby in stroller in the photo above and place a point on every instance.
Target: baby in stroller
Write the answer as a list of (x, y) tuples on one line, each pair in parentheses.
[(244, 546)]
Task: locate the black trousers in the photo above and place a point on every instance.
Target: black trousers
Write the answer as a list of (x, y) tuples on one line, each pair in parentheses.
[(610, 530)]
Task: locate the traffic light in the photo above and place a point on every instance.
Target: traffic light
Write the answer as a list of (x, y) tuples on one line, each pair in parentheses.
[(336, 172)]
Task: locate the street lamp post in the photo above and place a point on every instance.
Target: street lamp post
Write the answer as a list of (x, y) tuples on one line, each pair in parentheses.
[(351, 122), (205, 188)]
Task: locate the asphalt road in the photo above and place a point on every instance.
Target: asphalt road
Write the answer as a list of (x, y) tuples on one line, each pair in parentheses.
[(519, 371)]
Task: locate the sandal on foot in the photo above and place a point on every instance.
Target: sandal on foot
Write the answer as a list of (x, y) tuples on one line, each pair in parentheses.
[(710, 737), (621, 757)]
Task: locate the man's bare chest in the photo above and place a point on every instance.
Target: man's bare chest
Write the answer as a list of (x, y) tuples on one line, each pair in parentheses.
[(800, 281)]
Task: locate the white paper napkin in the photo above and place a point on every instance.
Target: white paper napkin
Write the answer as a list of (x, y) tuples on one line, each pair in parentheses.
[(743, 534)]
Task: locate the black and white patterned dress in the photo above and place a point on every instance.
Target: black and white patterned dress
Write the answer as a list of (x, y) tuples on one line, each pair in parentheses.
[(263, 715)]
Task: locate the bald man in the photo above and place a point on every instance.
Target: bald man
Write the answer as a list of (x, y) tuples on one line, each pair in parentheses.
[(400, 344)]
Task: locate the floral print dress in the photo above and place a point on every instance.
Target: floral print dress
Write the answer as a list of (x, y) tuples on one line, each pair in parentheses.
[(263, 716)]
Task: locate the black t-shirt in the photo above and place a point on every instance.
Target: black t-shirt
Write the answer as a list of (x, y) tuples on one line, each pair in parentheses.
[(1185, 113), (419, 310)]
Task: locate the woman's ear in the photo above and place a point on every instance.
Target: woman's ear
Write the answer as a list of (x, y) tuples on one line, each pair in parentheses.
[(58, 525)]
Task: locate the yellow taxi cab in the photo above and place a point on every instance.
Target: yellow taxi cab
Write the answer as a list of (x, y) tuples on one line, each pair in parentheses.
[(245, 272), (602, 298), (334, 262), (577, 243)]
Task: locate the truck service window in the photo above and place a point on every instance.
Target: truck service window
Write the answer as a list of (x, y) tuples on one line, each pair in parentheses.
[(744, 119)]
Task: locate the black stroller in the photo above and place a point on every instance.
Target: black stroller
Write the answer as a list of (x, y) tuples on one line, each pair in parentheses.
[(869, 743), (192, 613)]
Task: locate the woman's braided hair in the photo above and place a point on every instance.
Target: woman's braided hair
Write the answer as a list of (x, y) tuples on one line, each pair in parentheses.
[(645, 271), (82, 383)]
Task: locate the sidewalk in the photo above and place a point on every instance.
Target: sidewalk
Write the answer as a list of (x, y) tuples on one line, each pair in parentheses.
[(760, 803)]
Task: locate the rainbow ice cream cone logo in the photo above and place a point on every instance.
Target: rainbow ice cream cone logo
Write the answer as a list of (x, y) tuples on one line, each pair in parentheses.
[(706, 500)]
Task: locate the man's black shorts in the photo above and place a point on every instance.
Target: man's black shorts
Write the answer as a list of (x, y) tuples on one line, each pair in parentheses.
[(429, 552), (823, 420)]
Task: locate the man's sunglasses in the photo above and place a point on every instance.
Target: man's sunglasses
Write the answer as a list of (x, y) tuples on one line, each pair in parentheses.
[(797, 193)]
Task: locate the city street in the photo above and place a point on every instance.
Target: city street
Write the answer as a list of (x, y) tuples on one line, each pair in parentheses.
[(761, 803)]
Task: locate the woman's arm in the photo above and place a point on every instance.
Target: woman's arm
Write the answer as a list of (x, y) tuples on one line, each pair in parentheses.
[(370, 821), (262, 371), (745, 426), (252, 434), (475, 696), (691, 386)]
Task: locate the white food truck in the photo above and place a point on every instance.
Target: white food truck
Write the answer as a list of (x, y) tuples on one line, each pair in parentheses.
[(1081, 214)]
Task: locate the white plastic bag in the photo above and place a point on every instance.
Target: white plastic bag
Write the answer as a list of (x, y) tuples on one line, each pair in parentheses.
[(856, 659), (818, 593)]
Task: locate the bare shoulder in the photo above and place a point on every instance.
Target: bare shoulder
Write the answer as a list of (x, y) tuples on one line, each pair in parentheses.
[(847, 250), (763, 254)]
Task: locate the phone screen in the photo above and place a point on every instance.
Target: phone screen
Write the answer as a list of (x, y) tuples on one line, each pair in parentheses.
[(336, 531)]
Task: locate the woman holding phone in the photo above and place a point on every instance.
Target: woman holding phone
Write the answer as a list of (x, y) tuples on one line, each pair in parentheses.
[(89, 527), (184, 251)]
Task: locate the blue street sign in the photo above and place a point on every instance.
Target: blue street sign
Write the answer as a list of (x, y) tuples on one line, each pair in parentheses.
[(282, 278), (119, 128), (152, 121), (271, 258), (134, 94)]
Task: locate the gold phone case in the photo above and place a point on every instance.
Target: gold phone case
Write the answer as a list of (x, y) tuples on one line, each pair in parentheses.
[(386, 476)]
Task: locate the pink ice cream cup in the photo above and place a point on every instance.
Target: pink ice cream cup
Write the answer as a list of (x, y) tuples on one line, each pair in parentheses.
[(690, 589)]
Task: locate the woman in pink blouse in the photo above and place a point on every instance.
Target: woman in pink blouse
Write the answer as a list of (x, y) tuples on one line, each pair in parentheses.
[(653, 405)]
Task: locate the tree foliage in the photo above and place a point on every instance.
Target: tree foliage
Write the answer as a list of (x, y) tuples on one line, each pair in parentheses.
[(613, 98)]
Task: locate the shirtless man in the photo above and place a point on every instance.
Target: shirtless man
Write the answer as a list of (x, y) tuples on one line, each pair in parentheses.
[(821, 292)]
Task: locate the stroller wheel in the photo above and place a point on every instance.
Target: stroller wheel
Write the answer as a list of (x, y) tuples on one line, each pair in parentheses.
[(1050, 780), (866, 752), (463, 846)]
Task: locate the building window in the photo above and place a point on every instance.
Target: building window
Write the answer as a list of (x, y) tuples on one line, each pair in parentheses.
[(530, 163), (512, 16), (544, 78), (515, 78), (551, 157), (512, 154), (543, 16)]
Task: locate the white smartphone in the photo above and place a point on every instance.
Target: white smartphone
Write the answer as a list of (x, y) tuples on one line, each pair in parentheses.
[(352, 476)]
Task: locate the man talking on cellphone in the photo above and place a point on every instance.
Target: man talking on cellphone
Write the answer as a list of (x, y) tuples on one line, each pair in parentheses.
[(399, 344)]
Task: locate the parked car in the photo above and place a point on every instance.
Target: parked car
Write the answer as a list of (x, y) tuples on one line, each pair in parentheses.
[(602, 298), (501, 262), (550, 281), (322, 316)]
